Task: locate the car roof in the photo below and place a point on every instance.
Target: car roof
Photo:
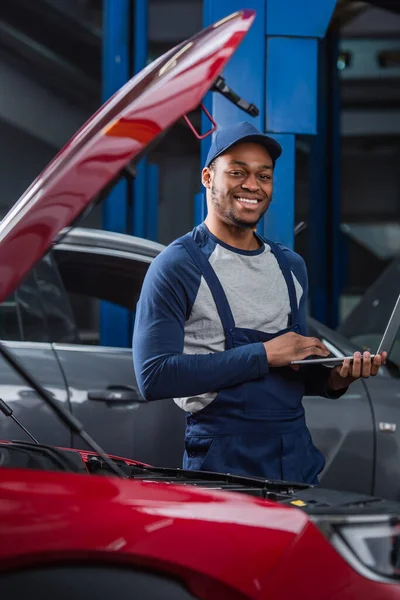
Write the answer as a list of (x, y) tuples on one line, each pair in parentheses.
[(97, 238)]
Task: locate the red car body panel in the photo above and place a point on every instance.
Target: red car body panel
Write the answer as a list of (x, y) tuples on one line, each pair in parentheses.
[(119, 132), (225, 546), (216, 542)]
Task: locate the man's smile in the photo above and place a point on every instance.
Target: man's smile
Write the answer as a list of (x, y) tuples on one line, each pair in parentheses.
[(248, 201)]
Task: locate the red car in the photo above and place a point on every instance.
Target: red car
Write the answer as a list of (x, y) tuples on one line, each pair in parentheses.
[(146, 532)]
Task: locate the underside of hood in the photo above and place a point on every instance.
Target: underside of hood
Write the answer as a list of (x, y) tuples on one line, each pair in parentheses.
[(118, 135)]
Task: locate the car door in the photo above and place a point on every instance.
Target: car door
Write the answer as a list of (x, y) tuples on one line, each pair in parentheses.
[(343, 429), (384, 391), (24, 331), (365, 326), (152, 432)]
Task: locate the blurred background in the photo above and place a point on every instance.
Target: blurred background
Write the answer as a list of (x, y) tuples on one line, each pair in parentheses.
[(54, 75)]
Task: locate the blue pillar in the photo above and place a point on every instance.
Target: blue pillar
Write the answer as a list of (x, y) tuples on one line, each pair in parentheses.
[(291, 101), (276, 69), (145, 186), (130, 208), (116, 52), (245, 73), (115, 73)]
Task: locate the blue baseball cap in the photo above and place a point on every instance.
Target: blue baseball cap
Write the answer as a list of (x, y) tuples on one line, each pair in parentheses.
[(241, 132)]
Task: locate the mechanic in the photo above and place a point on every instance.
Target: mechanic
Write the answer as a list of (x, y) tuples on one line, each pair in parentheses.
[(221, 315)]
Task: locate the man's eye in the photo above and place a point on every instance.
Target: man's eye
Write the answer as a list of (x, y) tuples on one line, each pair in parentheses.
[(236, 173), (265, 177)]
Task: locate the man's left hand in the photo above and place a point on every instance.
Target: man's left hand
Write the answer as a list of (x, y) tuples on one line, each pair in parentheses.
[(361, 366)]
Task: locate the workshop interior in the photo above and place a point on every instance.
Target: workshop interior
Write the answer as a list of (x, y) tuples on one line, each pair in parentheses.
[(59, 60), (93, 495)]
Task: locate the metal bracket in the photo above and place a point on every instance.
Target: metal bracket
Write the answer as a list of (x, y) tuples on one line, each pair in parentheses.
[(223, 88), (204, 135)]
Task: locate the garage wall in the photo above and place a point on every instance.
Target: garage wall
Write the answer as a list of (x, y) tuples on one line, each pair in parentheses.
[(22, 158)]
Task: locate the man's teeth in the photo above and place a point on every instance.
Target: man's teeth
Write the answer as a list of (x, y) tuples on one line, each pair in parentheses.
[(248, 200)]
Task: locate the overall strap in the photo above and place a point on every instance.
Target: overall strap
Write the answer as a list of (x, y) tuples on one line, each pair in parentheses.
[(216, 289), (287, 274)]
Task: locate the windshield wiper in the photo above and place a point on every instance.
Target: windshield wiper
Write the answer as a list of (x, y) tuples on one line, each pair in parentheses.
[(69, 420)]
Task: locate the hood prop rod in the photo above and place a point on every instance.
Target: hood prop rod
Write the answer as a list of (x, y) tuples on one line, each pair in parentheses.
[(8, 412)]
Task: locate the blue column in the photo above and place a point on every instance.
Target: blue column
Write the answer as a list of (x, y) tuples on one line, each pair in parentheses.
[(291, 101), (278, 223), (245, 73), (115, 321), (140, 50), (276, 69), (115, 73), (130, 208)]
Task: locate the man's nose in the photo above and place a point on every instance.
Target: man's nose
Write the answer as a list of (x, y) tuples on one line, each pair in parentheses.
[(251, 183)]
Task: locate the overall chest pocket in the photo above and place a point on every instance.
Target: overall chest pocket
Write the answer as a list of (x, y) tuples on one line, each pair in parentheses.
[(278, 393)]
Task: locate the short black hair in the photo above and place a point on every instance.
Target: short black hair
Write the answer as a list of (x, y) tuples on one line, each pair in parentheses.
[(213, 164)]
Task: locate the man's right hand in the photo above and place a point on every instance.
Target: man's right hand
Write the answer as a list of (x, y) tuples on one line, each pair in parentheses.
[(292, 346)]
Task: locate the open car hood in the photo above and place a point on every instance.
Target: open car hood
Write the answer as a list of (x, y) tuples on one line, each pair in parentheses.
[(119, 133)]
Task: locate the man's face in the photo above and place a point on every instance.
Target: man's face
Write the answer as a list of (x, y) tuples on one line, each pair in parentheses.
[(240, 185)]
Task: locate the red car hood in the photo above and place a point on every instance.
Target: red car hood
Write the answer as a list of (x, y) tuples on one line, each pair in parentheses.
[(119, 133), (41, 513), (220, 544)]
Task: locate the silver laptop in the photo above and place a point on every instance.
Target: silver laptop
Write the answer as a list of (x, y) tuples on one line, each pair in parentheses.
[(385, 345)]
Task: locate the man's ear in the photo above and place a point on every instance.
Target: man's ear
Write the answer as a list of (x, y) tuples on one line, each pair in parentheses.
[(206, 177)]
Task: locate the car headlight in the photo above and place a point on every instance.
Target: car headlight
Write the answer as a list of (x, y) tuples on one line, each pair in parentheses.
[(370, 544)]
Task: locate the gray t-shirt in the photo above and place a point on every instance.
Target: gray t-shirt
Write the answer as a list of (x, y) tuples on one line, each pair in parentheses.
[(258, 297)]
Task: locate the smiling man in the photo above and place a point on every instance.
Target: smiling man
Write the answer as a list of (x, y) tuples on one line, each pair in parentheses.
[(221, 316)]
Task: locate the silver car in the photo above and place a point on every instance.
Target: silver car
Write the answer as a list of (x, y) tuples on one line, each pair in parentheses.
[(359, 434)]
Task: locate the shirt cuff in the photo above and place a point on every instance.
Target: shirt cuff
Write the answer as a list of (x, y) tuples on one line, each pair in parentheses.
[(334, 394), (262, 360)]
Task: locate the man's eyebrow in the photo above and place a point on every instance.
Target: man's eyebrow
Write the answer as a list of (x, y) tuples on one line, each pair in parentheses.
[(244, 164)]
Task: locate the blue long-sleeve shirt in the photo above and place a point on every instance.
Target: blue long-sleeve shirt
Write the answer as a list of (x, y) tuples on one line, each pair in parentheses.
[(178, 341)]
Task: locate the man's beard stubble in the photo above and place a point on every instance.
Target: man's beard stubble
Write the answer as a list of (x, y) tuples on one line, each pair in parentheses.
[(229, 215)]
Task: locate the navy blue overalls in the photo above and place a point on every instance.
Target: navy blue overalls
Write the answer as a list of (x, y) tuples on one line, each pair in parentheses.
[(256, 428)]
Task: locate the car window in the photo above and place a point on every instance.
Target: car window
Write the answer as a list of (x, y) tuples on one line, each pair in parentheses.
[(91, 276), (21, 314), (30, 311), (39, 310), (10, 320), (57, 310)]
